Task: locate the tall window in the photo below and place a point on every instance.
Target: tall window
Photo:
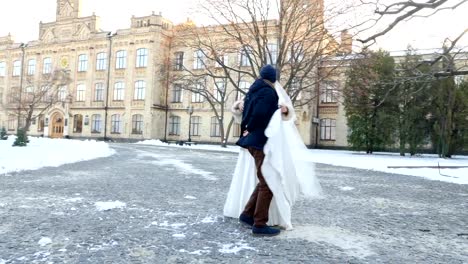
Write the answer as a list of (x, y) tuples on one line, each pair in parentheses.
[(327, 129), (243, 86), (62, 93), (215, 131), (296, 89), (47, 66), (2, 68), (174, 125), (245, 56), (16, 68), (179, 61), (137, 124), (45, 93), (101, 61), (11, 122), (140, 87), (119, 91), (223, 60), (195, 122), (177, 93), (96, 124), (77, 123), (80, 93), (99, 92), (198, 60), (272, 53), (82, 63), (116, 124), (40, 123), (328, 94), (219, 90), (31, 67), (296, 53), (236, 130), (196, 95), (142, 58), (121, 59)]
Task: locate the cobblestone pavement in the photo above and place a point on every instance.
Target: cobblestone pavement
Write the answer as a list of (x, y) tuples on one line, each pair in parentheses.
[(168, 209)]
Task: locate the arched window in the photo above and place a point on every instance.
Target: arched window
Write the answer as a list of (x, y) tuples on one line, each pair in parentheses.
[(80, 93), (82, 63), (101, 61), (16, 68), (137, 124), (140, 87), (121, 59), (119, 91), (174, 125), (77, 123), (215, 128), (47, 66), (31, 67), (142, 58), (96, 124), (116, 124)]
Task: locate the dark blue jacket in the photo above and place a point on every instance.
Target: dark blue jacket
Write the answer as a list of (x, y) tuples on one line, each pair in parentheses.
[(260, 104)]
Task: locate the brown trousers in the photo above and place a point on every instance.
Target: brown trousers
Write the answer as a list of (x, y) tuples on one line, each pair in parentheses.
[(259, 202)]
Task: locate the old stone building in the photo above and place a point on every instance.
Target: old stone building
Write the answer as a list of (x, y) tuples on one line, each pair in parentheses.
[(123, 83)]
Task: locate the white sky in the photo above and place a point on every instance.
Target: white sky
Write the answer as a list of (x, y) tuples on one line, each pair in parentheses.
[(23, 23)]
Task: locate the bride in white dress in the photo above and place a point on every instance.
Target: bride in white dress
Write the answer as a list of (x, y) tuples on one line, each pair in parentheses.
[(287, 172)]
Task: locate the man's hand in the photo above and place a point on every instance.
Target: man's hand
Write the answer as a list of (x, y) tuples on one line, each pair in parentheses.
[(245, 133)]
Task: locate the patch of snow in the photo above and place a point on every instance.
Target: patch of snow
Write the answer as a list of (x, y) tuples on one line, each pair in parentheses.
[(190, 197), (105, 206), (233, 149), (178, 225), (235, 248), (178, 235), (347, 188), (46, 152), (353, 244), (44, 241), (208, 220), (74, 200)]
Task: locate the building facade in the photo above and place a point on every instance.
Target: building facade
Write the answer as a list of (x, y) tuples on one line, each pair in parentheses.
[(122, 84)]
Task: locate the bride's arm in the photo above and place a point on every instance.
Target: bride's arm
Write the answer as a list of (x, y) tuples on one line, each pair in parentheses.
[(237, 109), (287, 111)]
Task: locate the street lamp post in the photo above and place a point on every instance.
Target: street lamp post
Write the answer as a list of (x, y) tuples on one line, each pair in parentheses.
[(22, 46), (190, 112)]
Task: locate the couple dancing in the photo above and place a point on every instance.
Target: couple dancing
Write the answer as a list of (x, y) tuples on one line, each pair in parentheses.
[(271, 149)]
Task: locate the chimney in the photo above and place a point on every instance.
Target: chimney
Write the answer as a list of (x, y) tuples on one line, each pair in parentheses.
[(346, 45)]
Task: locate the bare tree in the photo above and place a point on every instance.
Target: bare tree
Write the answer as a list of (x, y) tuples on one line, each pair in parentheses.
[(37, 96), (252, 33), (401, 11)]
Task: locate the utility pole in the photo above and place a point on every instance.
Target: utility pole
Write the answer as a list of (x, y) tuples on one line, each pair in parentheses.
[(22, 46), (106, 104)]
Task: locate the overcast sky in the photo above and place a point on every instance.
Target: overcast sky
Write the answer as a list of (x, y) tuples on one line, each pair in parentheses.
[(21, 19)]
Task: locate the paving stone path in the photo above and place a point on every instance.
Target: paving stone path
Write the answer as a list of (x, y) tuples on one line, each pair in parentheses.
[(149, 204)]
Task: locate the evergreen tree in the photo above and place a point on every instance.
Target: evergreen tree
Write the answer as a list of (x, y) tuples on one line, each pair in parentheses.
[(3, 134), (370, 101), (449, 109), (21, 139), (413, 102)]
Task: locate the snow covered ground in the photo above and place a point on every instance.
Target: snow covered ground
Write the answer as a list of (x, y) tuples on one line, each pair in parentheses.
[(376, 162), (43, 152)]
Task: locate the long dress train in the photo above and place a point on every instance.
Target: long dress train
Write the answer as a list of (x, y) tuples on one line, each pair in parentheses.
[(288, 174)]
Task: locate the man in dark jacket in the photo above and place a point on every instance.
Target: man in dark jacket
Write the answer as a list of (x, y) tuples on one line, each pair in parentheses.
[(260, 104)]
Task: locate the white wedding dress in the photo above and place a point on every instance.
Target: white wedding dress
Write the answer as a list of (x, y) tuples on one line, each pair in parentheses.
[(285, 169)]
